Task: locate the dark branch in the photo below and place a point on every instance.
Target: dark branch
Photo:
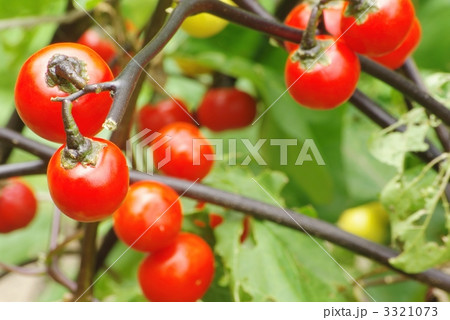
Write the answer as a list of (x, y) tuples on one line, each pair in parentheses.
[(15, 124), (294, 220), (15, 139), (406, 87), (255, 7), (22, 169), (86, 274), (120, 136)]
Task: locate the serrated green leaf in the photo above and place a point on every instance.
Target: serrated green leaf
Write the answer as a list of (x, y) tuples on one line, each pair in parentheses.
[(391, 147), (276, 264), (412, 199), (439, 85)]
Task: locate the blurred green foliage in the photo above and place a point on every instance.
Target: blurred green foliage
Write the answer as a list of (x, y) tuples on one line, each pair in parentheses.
[(275, 263)]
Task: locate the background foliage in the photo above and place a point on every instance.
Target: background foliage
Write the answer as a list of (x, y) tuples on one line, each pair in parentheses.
[(287, 264)]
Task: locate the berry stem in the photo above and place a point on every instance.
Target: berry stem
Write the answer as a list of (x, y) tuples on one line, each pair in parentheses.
[(309, 42), (73, 136), (78, 149), (77, 146)]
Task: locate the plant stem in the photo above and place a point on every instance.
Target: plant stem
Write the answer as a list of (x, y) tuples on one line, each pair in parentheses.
[(74, 139), (22, 168), (15, 139), (255, 7), (297, 221), (15, 124), (22, 270), (294, 220), (120, 136), (309, 41), (21, 264), (386, 280), (84, 290), (406, 87)]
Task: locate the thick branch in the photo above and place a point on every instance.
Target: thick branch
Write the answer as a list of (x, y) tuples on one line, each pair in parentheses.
[(22, 169), (394, 79), (406, 87), (87, 264), (15, 139), (15, 124), (128, 77), (294, 220), (255, 7), (120, 136)]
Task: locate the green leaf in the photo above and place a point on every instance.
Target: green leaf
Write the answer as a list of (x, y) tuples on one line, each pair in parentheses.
[(412, 199), (365, 175), (413, 196), (439, 85), (391, 147), (240, 180), (274, 263)]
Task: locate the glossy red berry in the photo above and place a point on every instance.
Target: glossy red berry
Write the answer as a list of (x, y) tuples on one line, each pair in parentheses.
[(150, 217), (397, 58), (181, 272), (18, 205), (163, 113), (323, 85), (226, 108), (183, 152), (382, 29)]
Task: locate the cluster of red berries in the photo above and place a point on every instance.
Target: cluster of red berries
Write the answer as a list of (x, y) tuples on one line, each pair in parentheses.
[(387, 31), (180, 140), (88, 179), (180, 266)]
